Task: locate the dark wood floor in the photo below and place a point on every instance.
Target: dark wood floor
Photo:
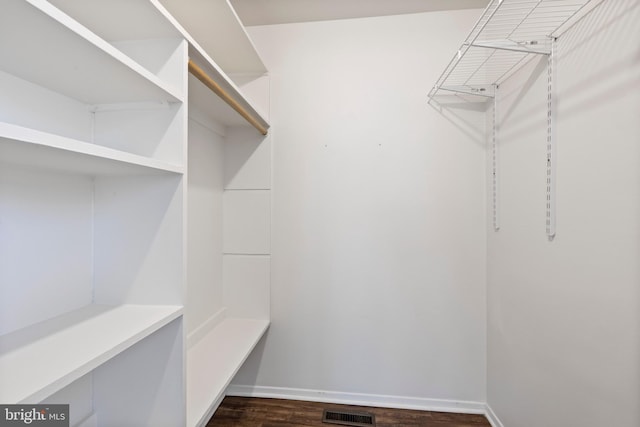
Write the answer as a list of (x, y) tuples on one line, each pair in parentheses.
[(253, 412)]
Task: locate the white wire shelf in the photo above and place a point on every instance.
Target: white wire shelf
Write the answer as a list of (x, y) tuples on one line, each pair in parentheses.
[(507, 35)]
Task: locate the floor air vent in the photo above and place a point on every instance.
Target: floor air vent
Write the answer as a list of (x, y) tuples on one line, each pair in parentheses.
[(346, 418)]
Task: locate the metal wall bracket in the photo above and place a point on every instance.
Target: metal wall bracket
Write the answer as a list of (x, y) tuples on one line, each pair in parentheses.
[(469, 90), (495, 181), (531, 46), (551, 144)]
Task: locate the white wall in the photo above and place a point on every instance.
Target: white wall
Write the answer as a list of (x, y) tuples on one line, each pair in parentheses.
[(379, 239), (564, 316), (206, 184)]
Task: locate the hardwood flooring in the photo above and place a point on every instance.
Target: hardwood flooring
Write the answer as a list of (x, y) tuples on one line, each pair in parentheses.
[(254, 412)]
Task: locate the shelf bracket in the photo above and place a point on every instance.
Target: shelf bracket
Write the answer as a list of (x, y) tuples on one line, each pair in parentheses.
[(525, 47), (551, 144), (467, 90)]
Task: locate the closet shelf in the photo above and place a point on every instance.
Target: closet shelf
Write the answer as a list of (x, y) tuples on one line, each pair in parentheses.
[(201, 97), (74, 344), (506, 36), (87, 69), (120, 20), (25, 146), (252, 117), (220, 34), (233, 52), (226, 347)]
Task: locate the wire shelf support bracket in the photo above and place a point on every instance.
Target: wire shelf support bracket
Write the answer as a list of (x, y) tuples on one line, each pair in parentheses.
[(551, 145)]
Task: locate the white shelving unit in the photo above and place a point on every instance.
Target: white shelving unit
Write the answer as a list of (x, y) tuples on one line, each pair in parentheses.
[(92, 157), (508, 34), (228, 293), (116, 294)]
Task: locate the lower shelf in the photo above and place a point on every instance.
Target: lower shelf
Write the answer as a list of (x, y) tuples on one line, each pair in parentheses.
[(213, 362), (43, 358)]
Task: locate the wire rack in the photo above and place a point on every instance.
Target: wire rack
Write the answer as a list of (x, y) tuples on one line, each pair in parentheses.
[(506, 36)]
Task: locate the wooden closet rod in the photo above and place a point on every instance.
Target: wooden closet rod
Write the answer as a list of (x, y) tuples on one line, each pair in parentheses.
[(200, 74)]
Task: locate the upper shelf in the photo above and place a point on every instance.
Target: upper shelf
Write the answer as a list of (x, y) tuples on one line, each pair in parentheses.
[(508, 33), (200, 94), (87, 69), (218, 30), (118, 21)]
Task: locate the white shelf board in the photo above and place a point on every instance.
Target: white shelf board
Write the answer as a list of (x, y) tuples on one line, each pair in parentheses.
[(120, 20), (217, 28), (214, 360), (24, 146), (200, 97), (507, 35), (88, 68), (43, 358), (214, 108)]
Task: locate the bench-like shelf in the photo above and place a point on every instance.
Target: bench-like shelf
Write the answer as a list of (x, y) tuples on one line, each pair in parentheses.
[(74, 344), (213, 361)]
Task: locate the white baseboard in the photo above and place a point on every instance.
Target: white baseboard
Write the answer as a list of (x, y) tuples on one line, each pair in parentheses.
[(383, 401), (492, 417)]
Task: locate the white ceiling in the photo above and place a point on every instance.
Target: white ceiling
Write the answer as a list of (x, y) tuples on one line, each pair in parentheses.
[(266, 12)]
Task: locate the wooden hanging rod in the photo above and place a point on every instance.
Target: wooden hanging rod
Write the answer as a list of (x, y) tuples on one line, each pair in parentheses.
[(200, 74)]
